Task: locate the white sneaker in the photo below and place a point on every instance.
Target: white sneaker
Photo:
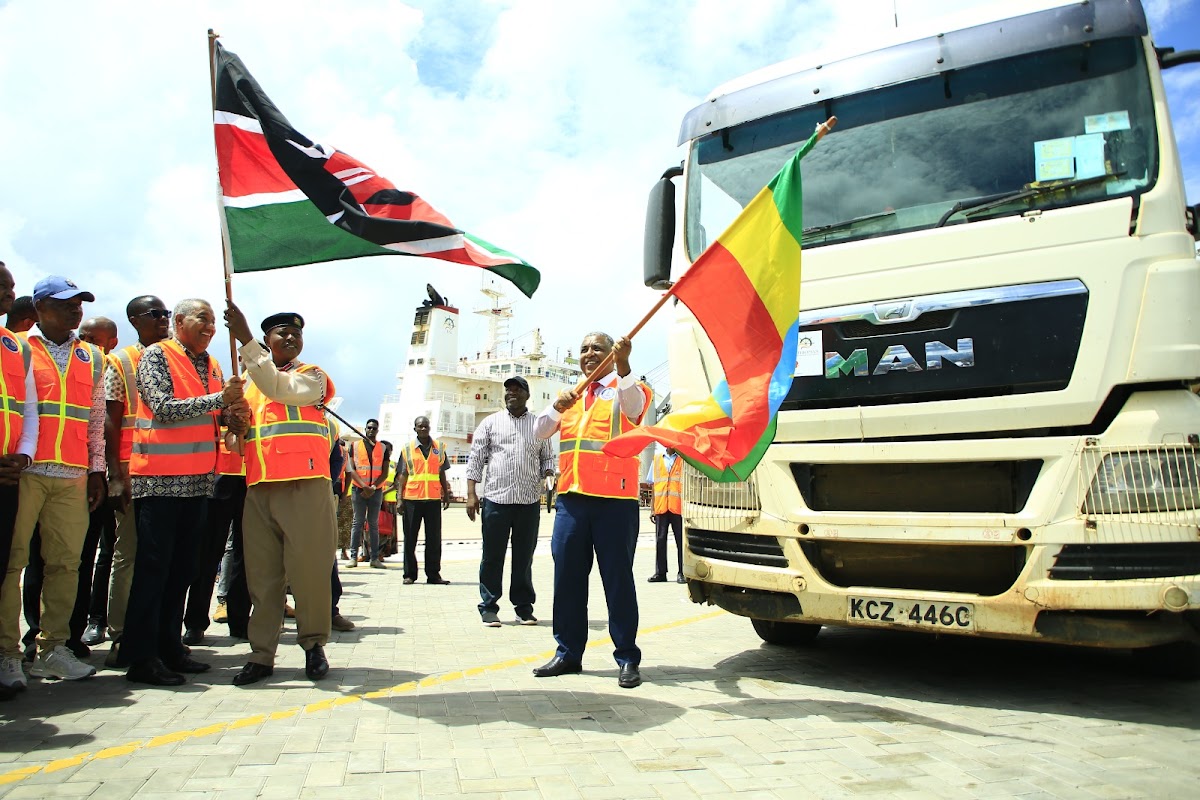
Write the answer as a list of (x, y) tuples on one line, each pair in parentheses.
[(61, 663), (11, 674)]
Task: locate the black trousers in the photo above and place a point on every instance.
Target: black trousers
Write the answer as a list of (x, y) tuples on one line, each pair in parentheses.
[(500, 521), (673, 522), (100, 521), (169, 531), (428, 512), (211, 551), (225, 510), (98, 606), (8, 518)]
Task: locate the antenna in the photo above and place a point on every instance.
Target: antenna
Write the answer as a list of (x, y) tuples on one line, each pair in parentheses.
[(895, 14)]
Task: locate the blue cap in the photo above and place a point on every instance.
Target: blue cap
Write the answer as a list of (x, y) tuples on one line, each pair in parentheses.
[(60, 288)]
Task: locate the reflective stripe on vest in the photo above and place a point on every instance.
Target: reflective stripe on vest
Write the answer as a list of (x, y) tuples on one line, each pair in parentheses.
[(286, 443), (185, 447), (424, 474), (668, 486), (15, 357), (64, 401), (583, 467), (125, 361)]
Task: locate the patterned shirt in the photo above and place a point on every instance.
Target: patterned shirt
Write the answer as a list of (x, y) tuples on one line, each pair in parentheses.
[(95, 431), (114, 382), (514, 457), (158, 393)]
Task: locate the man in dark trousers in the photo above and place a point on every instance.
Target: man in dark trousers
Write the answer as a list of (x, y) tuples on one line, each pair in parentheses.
[(424, 492), (667, 512), (597, 512)]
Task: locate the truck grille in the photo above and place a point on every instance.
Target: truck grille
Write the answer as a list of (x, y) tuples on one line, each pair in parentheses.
[(707, 503), (997, 487), (1115, 562), (740, 548), (977, 569)]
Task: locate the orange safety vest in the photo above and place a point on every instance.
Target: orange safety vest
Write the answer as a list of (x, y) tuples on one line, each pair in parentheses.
[(668, 485), (15, 358), (125, 362), (368, 461), (424, 474), (582, 467), (64, 401), (185, 447), (286, 443), (229, 462)]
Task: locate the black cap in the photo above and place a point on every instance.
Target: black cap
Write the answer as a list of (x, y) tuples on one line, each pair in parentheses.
[(519, 381), (284, 318)]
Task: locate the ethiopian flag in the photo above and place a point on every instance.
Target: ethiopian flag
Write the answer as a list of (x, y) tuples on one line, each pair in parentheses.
[(744, 290), (290, 201)]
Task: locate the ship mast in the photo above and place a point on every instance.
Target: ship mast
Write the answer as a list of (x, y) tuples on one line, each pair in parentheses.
[(498, 315)]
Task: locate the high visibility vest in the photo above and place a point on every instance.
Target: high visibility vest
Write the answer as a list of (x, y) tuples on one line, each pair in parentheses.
[(389, 496), (184, 447), (125, 362), (424, 474), (668, 486), (286, 443), (582, 466), (15, 356), (229, 462), (368, 461), (64, 401)]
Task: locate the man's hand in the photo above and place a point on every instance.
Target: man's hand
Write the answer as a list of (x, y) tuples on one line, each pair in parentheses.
[(11, 467), (445, 500), (566, 398), (97, 490), (233, 392), (237, 418), (235, 320), (366, 491), (620, 351), (472, 505)]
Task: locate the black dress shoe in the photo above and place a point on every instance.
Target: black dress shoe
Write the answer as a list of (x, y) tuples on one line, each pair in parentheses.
[(555, 667), (189, 665), (235, 633), (315, 664), (657, 579), (680, 579), (253, 672), (93, 634), (629, 677), (193, 636), (441, 581), (155, 673)]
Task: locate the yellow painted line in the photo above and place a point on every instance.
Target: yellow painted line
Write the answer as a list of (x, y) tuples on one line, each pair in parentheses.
[(21, 773)]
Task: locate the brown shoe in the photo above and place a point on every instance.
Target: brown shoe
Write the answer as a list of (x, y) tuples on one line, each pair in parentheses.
[(345, 557), (340, 623), (288, 611)]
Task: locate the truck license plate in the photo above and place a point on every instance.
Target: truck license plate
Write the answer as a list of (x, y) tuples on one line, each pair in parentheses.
[(911, 613)]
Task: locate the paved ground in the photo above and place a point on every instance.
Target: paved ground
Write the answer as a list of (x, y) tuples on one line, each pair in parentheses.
[(423, 700)]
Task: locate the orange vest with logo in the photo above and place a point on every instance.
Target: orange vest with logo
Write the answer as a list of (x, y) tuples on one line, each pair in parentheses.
[(668, 486), (15, 357), (125, 362), (286, 443), (582, 467), (368, 462), (64, 401), (185, 447), (424, 474)]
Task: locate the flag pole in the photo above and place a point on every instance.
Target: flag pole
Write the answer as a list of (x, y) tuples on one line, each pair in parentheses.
[(225, 257)]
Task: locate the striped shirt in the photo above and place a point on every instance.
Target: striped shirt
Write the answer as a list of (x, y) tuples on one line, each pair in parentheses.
[(515, 459)]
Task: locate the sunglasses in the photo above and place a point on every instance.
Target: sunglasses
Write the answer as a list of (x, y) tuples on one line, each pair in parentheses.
[(156, 313)]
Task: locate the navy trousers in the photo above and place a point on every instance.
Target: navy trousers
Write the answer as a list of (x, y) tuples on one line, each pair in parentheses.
[(607, 529), (499, 522)]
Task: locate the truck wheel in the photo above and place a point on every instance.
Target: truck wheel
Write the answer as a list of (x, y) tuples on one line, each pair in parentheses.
[(1179, 660), (785, 633)]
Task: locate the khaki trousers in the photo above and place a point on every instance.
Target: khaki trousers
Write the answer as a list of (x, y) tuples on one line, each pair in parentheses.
[(288, 534), (124, 554), (60, 506)]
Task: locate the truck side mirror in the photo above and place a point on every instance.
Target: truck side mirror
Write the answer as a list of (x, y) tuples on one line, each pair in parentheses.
[(660, 231)]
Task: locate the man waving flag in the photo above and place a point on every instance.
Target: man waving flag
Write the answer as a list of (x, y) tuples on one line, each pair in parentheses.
[(288, 200)]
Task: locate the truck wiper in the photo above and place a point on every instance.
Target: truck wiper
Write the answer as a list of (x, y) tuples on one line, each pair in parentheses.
[(988, 201), (848, 223)]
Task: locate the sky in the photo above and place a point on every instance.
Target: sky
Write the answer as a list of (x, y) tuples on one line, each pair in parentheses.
[(537, 125)]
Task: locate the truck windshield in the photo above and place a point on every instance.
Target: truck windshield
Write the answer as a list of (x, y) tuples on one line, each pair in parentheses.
[(1045, 130)]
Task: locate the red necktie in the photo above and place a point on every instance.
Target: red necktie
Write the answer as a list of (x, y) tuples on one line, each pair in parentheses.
[(593, 389)]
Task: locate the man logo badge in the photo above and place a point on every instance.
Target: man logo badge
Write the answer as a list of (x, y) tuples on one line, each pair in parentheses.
[(10, 344), (83, 355)]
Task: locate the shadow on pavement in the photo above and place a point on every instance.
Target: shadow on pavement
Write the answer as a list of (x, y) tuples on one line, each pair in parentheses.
[(955, 671), (25, 721)]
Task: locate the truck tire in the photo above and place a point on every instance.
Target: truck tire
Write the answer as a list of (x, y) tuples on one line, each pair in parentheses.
[(785, 633), (1178, 660)]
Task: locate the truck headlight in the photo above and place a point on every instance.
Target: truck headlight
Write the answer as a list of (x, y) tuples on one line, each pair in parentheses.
[(1155, 479)]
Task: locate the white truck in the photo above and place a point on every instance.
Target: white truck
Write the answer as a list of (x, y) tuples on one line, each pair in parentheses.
[(991, 430)]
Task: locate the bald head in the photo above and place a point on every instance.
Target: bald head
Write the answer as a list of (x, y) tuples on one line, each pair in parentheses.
[(100, 331)]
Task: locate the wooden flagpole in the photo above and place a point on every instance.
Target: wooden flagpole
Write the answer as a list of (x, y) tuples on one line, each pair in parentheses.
[(225, 255)]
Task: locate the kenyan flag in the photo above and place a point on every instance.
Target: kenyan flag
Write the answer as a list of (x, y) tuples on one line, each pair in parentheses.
[(291, 201)]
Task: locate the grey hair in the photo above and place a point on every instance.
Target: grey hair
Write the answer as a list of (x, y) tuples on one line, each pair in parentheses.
[(602, 336), (185, 307)]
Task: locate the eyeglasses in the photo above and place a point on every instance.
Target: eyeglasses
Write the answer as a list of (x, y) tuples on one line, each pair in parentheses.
[(155, 313)]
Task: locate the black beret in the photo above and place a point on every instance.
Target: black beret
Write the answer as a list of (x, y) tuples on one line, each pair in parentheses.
[(285, 318)]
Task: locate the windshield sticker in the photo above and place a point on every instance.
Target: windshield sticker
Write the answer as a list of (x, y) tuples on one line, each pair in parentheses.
[(1054, 159), (1089, 156), (810, 358), (1112, 121)]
